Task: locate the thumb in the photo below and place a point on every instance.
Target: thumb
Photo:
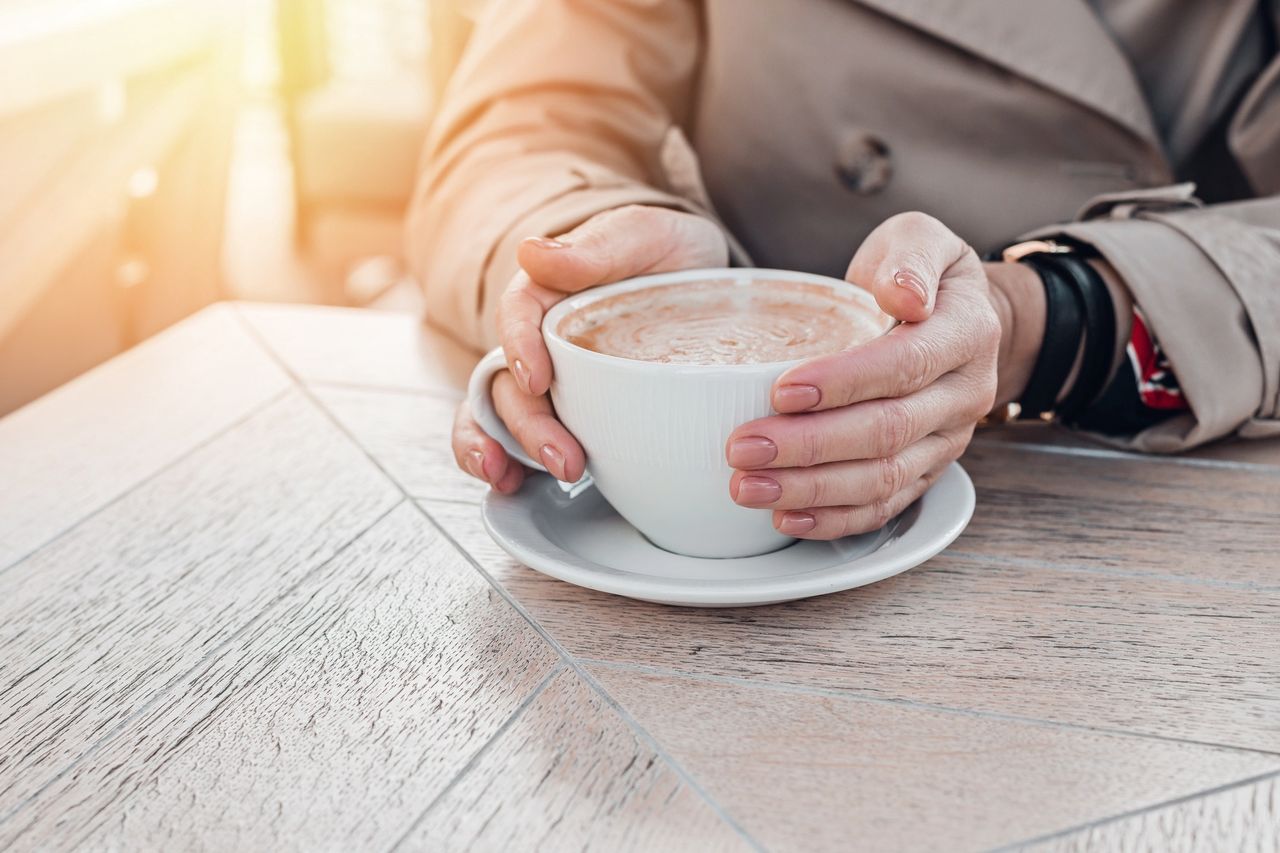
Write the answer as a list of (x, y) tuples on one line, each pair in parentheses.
[(621, 243), (904, 260)]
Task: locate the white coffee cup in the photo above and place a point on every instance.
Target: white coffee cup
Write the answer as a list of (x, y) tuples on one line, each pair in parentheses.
[(654, 433)]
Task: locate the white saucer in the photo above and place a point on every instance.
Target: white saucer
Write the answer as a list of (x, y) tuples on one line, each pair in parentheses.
[(582, 540)]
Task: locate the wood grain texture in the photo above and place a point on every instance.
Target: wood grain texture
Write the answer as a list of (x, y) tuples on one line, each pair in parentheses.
[(1243, 819), (571, 775), (409, 436), (1135, 515), (378, 349), (75, 449), (1249, 452), (330, 722), (812, 772), (1140, 654), (98, 623)]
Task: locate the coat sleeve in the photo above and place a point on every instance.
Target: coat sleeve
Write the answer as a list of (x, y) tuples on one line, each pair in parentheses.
[(559, 109), (1208, 281)]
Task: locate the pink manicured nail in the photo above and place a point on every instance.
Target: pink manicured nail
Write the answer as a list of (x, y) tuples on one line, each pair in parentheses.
[(751, 452), (795, 523), (547, 243), (909, 280), (522, 375), (758, 491), (553, 459), (475, 464), (796, 398)]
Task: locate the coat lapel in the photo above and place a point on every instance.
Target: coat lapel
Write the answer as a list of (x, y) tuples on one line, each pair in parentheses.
[(1058, 44)]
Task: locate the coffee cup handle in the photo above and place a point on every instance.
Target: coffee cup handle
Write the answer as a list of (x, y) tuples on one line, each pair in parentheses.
[(480, 396)]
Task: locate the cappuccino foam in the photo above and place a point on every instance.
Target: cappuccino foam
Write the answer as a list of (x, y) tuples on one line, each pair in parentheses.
[(724, 321)]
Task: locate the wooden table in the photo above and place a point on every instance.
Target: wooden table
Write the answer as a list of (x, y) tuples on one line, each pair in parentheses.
[(246, 603)]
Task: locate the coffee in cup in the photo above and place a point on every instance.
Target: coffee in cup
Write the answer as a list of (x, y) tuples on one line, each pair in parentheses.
[(724, 321), (652, 374)]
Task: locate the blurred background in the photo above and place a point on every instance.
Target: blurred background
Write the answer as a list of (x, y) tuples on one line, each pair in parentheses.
[(159, 155)]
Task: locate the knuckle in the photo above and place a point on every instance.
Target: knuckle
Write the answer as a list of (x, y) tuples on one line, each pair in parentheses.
[(983, 400), (914, 220), (977, 387), (853, 522), (634, 214), (881, 513), (954, 443), (895, 425), (921, 365), (929, 478), (812, 448), (917, 259), (816, 490), (893, 475)]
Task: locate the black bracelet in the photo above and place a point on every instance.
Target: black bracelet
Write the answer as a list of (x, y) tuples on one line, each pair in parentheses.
[(1063, 327), (1100, 332)]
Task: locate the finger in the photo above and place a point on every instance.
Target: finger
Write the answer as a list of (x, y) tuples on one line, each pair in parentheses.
[(905, 260), (838, 521), (511, 480), (608, 247), (533, 423), (475, 452), (866, 430), (519, 318), (847, 483), (621, 243), (907, 359)]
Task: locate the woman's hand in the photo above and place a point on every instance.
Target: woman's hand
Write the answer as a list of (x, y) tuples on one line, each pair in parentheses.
[(866, 431), (609, 247)]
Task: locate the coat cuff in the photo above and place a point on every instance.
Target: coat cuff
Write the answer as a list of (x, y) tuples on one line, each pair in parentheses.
[(1201, 280)]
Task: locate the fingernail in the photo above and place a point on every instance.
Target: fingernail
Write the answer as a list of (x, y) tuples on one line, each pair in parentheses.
[(553, 459), (751, 452), (796, 398), (547, 243), (795, 523), (522, 375), (758, 491), (907, 279), (475, 464)]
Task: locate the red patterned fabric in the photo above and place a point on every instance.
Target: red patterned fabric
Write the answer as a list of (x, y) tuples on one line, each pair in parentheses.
[(1157, 385)]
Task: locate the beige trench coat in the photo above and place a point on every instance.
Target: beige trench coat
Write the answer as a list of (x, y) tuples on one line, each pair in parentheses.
[(801, 125)]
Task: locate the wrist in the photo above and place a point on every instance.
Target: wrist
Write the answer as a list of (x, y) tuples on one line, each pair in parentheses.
[(1017, 295)]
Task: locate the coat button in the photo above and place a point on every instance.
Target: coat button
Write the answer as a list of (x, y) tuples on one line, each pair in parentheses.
[(862, 163)]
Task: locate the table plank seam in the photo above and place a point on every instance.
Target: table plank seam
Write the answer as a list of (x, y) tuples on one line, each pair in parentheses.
[(1107, 453), (484, 749), (853, 696), (253, 412), (1107, 571), (375, 388), (451, 501), (181, 677), (1164, 804), (575, 664), (1015, 562), (638, 731)]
